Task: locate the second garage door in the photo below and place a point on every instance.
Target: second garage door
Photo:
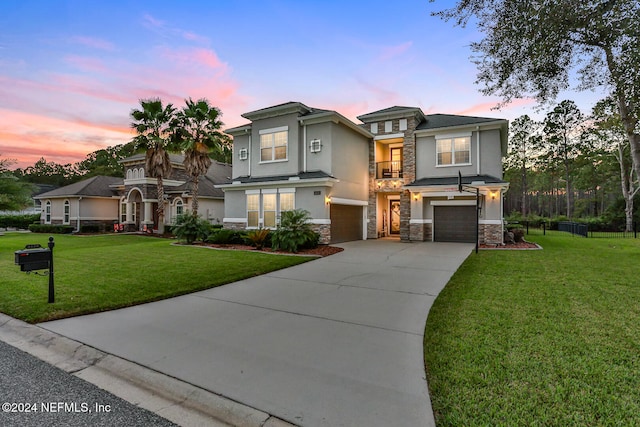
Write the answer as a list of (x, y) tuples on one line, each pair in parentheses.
[(454, 224), (346, 223)]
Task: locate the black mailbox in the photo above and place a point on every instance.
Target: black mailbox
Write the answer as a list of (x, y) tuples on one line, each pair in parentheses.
[(33, 259)]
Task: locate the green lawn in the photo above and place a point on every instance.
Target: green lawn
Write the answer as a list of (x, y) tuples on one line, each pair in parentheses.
[(547, 337), (98, 273)]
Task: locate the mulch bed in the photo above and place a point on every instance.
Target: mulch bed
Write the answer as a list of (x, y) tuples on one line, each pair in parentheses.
[(519, 245), (320, 251)]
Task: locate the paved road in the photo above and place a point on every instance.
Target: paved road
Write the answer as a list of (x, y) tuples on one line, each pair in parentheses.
[(333, 342), (34, 393)]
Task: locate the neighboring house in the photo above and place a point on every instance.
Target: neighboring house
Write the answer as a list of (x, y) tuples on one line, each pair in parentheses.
[(132, 202), (395, 174)]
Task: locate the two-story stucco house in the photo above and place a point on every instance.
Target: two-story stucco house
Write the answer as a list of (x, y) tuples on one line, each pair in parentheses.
[(394, 174)]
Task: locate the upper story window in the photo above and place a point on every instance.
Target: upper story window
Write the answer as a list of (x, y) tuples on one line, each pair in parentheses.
[(273, 144), (453, 151)]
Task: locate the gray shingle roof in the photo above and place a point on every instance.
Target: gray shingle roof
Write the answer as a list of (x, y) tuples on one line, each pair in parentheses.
[(453, 180), (437, 121), (302, 175), (218, 173), (97, 186)]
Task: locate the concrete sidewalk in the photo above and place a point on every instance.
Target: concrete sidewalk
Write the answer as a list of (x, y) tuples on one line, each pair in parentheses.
[(334, 342)]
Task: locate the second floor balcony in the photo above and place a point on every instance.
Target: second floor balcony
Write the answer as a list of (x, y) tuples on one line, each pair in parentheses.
[(389, 169)]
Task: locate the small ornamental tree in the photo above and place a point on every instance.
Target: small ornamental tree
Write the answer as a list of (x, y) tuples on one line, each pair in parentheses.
[(190, 227), (294, 231)]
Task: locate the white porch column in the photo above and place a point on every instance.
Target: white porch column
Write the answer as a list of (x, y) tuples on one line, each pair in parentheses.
[(148, 212), (129, 215)]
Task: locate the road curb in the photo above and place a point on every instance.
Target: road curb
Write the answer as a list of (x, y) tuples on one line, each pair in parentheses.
[(173, 399)]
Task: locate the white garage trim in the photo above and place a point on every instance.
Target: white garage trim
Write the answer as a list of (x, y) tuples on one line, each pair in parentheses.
[(350, 202), (491, 221), (453, 203)]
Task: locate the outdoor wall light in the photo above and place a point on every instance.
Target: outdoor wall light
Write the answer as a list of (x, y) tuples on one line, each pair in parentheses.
[(416, 196), (493, 195), (327, 200), (379, 183)]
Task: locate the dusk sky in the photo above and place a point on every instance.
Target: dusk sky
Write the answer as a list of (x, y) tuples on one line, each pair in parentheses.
[(71, 71)]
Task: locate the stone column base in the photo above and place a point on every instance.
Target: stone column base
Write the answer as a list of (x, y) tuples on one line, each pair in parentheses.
[(491, 234), (325, 232)]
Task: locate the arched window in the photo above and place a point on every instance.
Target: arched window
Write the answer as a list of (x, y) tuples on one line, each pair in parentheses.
[(47, 212), (129, 174), (135, 174), (141, 173), (67, 211), (179, 207)]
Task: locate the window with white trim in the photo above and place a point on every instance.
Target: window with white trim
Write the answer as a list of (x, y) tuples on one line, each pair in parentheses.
[(179, 207), (273, 145), (287, 202), (253, 210), (123, 211), (269, 210), (67, 211), (453, 151), (47, 212)]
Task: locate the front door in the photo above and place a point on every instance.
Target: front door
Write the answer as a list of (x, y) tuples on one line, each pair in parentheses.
[(394, 216)]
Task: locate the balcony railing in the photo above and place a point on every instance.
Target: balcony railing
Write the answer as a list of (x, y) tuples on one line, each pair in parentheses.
[(392, 169)]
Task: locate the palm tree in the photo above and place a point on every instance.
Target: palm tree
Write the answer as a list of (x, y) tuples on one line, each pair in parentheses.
[(155, 125), (200, 136)]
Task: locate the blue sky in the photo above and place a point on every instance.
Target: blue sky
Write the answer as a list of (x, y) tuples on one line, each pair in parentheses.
[(71, 71)]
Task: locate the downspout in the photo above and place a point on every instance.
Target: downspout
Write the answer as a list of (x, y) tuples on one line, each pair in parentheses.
[(249, 153), (478, 150), (304, 148)]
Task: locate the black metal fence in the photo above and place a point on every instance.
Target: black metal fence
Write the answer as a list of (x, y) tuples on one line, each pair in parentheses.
[(578, 229)]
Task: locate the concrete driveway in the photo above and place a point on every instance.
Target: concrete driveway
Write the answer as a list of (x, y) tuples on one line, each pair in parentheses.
[(334, 342)]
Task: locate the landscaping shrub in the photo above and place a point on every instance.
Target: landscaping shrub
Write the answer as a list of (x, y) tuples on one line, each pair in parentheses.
[(294, 232), (18, 221), (51, 228), (259, 238), (91, 228), (190, 227), (225, 236)]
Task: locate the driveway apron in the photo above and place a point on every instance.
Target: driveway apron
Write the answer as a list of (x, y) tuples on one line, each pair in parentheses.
[(337, 341)]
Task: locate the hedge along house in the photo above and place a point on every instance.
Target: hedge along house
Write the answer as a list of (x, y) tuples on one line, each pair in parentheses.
[(394, 175), (132, 203)]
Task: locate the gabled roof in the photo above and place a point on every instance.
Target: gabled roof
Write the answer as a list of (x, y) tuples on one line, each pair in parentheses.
[(97, 186), (306, 115), (392, 113), (218, 173)]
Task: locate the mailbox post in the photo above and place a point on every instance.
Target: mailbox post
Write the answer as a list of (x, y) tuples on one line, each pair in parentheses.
[(35, 257), (51, 244)]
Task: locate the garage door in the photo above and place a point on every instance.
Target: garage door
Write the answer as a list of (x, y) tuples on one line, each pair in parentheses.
[(346, 223), (454, 224)]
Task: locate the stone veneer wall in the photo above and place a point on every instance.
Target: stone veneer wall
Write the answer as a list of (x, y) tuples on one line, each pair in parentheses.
[(416, 232), (491, 234), (408, 176), (325, 232), (234, 225)]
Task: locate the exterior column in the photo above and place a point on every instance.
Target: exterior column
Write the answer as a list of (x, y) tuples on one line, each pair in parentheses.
[(130, 207), (148, 212)]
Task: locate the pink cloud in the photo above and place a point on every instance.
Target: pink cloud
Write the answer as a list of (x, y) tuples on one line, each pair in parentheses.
[(489, 108)]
